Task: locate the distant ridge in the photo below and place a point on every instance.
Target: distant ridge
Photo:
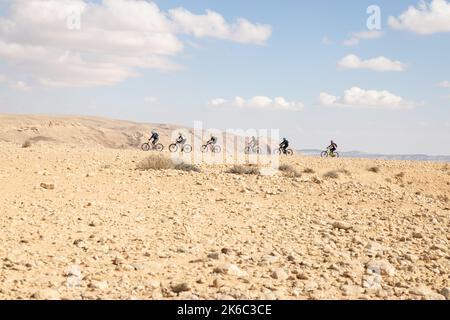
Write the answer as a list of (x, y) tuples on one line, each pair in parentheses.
[(365, 155), (91, 131)]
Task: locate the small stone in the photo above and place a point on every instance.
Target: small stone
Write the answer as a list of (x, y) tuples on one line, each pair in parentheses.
[(268, 260), (230, 269), (279, 274), (291, 258), (316, 180), (47, 186), (380, 267), (426, 293), (302, 276), (79, 243), (181, 287), (46, 294), (310, 286), (417, 235), (350, 290), (225, 251), (157, 295), (446, 293), (342, 225), (154, 284), (101, 285), (214, 256), (217, 283), (118, 261)]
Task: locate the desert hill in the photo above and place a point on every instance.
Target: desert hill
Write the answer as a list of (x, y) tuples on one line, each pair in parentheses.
[(79, 130)]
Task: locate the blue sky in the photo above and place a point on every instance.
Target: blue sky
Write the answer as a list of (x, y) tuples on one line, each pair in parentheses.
[(294, 62)]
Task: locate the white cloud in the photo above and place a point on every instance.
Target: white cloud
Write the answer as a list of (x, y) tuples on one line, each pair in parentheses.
[(427, 18), (217, 102), (258, 102), (355, 38), (116, 39), (352, 61), (444, 84), (360, 98), (214, 25)]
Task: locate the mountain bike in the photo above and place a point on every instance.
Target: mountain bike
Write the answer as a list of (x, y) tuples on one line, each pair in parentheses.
[(329, 154), (289, 152), (150, 146), (213, 148), (187, 148)]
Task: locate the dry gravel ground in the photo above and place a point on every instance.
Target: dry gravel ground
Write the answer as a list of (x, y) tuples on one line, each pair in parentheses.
[(83, 223)]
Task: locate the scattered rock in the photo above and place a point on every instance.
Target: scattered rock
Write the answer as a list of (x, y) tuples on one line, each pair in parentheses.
[(230, 269), (342, 225), (302, 276), (214, 256), (46, 294), (351, 290), (181, 287), (217, 283), (154, 284), (446, 293), (268, 260), (310, 286), (382, 267), (100, 285), (280, 274), (426, 293), (417, 235), (47, 186)]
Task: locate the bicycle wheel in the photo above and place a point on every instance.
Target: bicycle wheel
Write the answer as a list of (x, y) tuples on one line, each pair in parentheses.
[(289, 152), (324, 154), (247, 150), (204, 148), (173, 147), (256, 150), (187, 148), (145, 147), (217, 149), (336, 155), (159, 147)]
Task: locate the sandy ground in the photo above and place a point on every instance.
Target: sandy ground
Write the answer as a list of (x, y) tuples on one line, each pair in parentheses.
[(109, 231)]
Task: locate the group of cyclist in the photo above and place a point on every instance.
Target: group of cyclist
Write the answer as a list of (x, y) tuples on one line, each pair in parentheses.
[(181, 140), (284, 145)]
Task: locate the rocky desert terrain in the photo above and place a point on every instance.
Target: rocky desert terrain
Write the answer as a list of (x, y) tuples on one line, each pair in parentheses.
[(84, 220)]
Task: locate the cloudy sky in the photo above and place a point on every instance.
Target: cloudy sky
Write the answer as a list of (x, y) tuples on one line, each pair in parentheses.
[(316, 70)]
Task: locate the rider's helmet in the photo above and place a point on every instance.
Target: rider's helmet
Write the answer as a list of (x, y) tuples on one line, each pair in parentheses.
[(153, 131), (332, 142)]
